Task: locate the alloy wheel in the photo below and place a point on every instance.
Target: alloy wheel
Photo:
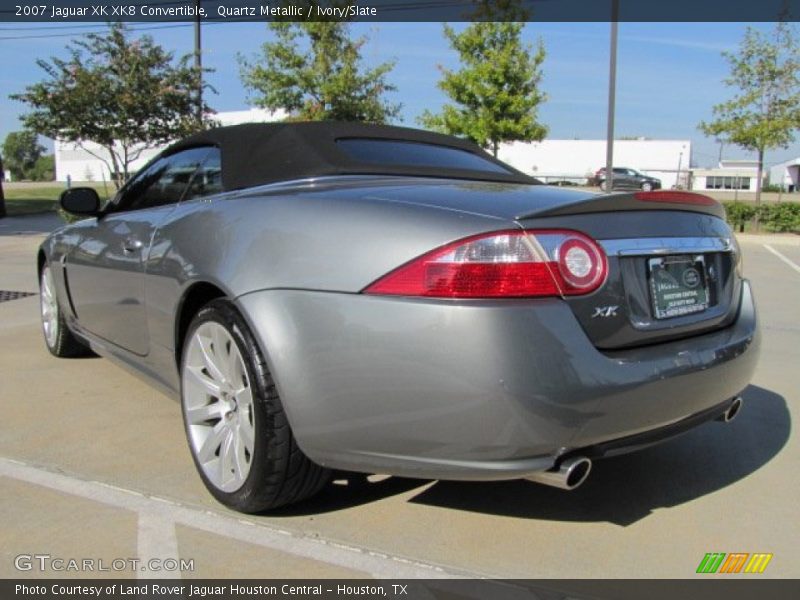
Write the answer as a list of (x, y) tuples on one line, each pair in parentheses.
[(49, 308), (218, 406)]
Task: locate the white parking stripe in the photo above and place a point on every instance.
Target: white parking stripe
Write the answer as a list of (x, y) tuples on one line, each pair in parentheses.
[(371, 563), (156, 541), (788, 261)]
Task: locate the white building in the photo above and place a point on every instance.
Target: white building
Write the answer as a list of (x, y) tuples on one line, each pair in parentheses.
[(86, 163), (787, 175), (579, 160), (730, 176)]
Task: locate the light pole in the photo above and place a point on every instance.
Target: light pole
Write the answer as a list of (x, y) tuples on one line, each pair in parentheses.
[(2, 196), (612, 90), (198, 62)]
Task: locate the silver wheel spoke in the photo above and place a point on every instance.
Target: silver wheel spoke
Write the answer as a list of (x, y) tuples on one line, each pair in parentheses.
[(247, 435), (221, 344), (212, 442), (239, 455), (234, 366), (226, 466), (210, 359), (202, 414), (244, 397), (212, 387)]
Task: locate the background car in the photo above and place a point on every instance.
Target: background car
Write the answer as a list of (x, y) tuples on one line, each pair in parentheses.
[(628, 179), (327, 296)]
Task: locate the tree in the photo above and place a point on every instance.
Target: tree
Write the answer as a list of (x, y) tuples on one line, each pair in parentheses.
[(44, 169), (496, 92), (765, 112), (122, 94), (21, 150), (323, 80)]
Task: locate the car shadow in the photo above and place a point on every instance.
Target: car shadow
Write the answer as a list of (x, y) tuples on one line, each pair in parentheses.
[(620, 490), (348, 490)]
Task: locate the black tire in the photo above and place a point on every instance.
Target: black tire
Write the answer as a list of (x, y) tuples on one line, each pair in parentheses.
[(647, 186), (63, 343), (280, 473)]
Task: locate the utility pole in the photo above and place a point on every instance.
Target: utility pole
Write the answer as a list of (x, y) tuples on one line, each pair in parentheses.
[(612, 92), (198, 62), (2, 196)]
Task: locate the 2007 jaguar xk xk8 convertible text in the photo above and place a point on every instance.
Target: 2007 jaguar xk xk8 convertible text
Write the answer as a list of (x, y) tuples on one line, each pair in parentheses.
[(377, 299)]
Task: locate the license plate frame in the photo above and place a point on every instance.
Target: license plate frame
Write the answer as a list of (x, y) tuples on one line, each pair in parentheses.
[(678, 285)]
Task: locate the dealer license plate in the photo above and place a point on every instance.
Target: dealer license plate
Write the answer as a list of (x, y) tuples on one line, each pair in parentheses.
[(678, 285)]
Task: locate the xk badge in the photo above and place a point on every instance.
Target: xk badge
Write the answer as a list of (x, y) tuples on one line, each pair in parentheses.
[(605, 311)]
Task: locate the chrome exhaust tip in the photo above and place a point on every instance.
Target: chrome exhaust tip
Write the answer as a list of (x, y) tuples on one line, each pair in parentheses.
[(733, 410), (570, 473)]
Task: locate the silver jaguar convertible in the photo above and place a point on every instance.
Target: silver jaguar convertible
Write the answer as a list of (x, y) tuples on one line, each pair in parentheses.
[(377, 299)]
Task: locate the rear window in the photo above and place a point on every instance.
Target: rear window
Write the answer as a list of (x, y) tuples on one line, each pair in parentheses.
[(399, 153)]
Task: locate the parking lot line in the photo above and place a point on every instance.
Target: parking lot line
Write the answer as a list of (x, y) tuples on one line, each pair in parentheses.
[(156, 539), (161, 513), (788, 261)]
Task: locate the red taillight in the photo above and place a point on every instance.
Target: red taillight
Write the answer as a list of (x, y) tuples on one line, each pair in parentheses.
[(504, 264), (581, 263), (675, 197)]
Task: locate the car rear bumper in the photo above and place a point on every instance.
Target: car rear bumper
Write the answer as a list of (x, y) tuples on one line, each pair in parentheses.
[(481, 389)]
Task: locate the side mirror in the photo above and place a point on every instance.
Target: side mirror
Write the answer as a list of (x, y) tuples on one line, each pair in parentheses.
[(81, 201)]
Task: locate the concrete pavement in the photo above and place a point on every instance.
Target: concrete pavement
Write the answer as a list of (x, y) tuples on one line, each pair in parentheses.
[(30, 224)]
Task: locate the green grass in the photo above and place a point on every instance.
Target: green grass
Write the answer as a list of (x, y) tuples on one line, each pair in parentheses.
[(31, 201), (35, 200)]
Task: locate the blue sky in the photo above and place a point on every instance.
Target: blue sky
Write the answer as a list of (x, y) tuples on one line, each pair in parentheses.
[(669, 74)]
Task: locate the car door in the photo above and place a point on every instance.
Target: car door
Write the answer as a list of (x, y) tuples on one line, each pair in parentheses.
[(620, 178), (630, 179), (106, 270)]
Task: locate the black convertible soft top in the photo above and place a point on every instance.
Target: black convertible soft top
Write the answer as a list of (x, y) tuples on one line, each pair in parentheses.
[(259, 153)]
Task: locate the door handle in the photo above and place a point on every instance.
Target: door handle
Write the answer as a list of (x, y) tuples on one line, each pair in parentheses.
[(132, 245)]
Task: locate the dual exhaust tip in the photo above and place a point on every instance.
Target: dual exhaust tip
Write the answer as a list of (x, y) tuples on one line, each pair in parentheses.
[(571, 472)]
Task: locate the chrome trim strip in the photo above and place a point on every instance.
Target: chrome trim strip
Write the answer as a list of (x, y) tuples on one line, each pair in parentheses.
[(671, 245)]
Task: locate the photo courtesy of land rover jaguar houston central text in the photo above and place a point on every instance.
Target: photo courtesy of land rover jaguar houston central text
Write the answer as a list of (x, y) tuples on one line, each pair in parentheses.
[(377, 299)]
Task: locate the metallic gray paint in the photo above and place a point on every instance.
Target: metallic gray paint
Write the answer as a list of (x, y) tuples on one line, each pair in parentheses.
[(478, 389), (435, 388)]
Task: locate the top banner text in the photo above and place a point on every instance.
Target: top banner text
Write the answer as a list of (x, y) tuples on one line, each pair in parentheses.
[(399, 10)]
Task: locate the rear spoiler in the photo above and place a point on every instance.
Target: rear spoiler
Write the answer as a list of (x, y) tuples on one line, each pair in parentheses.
[(657, 200)]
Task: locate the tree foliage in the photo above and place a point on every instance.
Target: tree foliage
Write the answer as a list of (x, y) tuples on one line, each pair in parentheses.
[(496, 92), (314, 71), (21, 150), (765, 111), (124, 94), (44, 169)]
